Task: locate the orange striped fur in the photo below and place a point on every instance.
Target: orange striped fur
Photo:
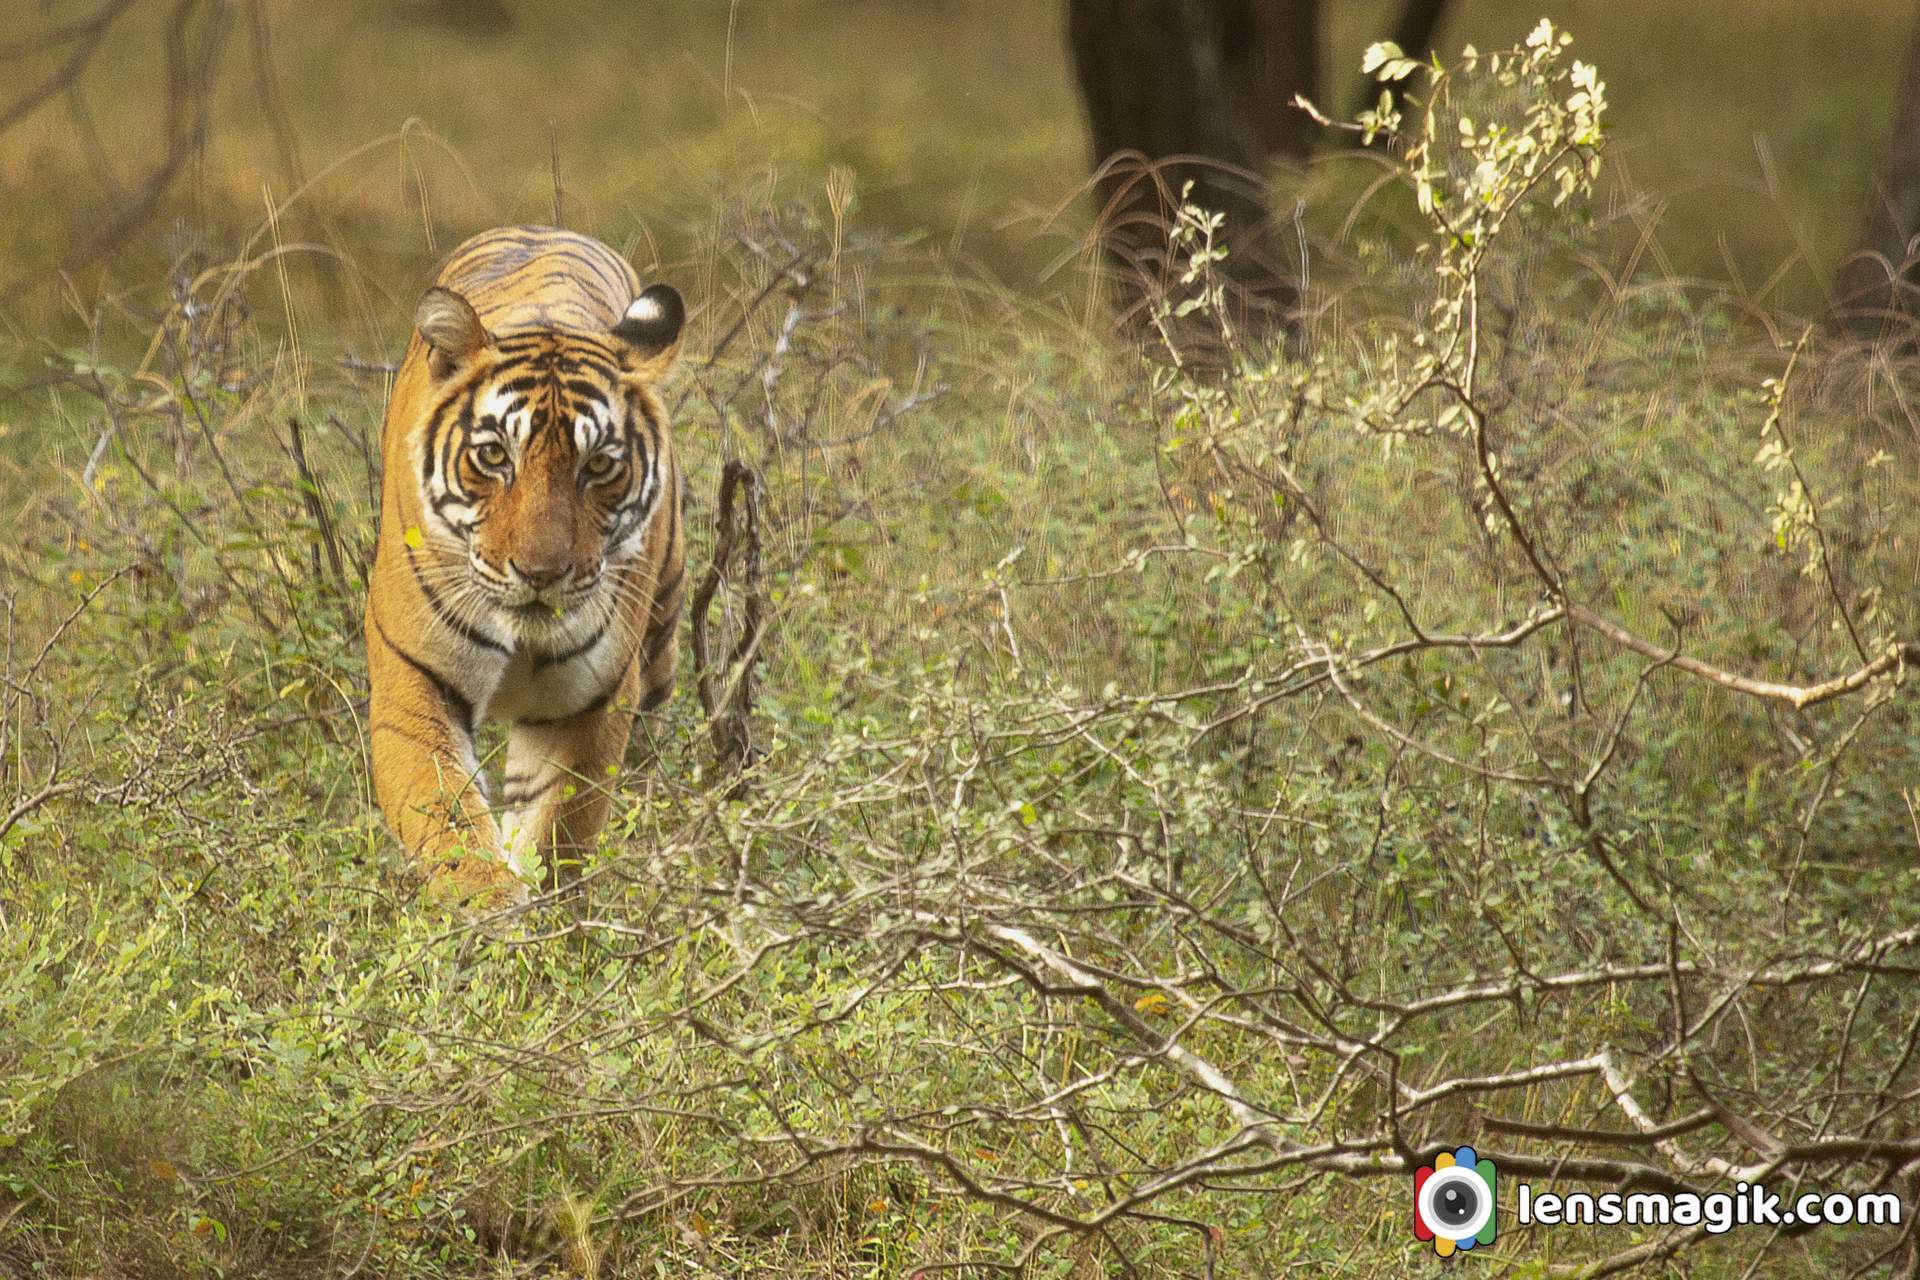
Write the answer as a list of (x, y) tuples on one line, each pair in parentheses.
[(529, 566)]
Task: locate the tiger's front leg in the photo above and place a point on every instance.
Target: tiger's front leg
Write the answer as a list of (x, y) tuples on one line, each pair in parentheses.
[(427, 779), (558, 783)]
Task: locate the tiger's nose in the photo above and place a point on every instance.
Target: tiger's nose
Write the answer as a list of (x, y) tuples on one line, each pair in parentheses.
[(540, 576)]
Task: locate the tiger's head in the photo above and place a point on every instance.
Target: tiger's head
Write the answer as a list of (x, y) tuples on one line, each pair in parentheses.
[(541, 458)]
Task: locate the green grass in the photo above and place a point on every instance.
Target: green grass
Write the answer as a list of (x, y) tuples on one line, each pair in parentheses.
[(1754, 127), (787, 1031)]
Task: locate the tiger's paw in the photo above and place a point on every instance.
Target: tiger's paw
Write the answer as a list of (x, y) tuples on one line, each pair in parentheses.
[(475, 886)]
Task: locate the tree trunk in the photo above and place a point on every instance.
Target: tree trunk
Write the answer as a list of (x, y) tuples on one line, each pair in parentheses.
[(1271, 50), (1414, 33), (1881, 281), (1418, 21), (1198, 91)]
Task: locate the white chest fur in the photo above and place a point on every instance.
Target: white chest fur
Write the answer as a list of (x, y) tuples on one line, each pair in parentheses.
[(555, 683)]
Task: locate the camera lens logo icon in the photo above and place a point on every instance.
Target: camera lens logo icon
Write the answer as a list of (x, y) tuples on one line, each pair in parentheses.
[(1453, 1201)]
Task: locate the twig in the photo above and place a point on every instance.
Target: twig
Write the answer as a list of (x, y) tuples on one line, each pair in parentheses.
[(729, 711)]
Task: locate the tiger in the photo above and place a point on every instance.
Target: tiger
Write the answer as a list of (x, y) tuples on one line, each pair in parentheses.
[(528, 565)]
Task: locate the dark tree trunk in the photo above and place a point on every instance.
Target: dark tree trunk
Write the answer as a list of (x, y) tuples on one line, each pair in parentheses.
[(1414, 33), (1418, 21), (1881, 281), (1196, 91), (1271, 51)]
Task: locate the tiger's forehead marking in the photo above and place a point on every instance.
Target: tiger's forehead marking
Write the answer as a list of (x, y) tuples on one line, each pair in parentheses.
[(547, 382), (560, 352), (589, 428)]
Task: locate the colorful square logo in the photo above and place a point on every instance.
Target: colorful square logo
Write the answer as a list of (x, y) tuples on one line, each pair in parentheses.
[(1453, 1201)]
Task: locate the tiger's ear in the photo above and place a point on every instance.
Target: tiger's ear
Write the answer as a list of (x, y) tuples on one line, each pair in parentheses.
[(651, 331), (451, 327)]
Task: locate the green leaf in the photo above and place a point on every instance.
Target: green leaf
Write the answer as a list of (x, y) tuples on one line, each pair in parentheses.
[(1378, 55)]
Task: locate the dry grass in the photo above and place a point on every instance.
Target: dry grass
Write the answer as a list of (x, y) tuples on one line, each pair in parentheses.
[(1050, 667), (1757, 125)]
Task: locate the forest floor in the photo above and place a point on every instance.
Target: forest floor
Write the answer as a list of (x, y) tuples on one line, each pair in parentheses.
[(1176, 800)]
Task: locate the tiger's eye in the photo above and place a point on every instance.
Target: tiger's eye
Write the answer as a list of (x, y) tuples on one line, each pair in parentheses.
[(492, 454), (600, 466)]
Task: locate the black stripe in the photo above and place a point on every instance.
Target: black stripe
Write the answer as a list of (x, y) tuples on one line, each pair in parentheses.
[(491, 243), (585, 362), (454, 440), (594, 263), (673, 514), (598, 704), (645, 436), (539, 350), (657, 697), (484, 251), (430, 449), (658, 635), (517, 247), (615, 530), (541, 661), (665, 590), (650, 414), (515, 799), (456, 702), (468, 633)]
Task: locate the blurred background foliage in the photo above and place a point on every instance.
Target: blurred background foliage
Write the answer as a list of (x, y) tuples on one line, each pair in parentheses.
[(405, 124), (1061, 669)]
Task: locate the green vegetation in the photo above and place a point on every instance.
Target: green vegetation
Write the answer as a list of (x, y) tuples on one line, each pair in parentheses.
[(1183, 790), (1746, 130)]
